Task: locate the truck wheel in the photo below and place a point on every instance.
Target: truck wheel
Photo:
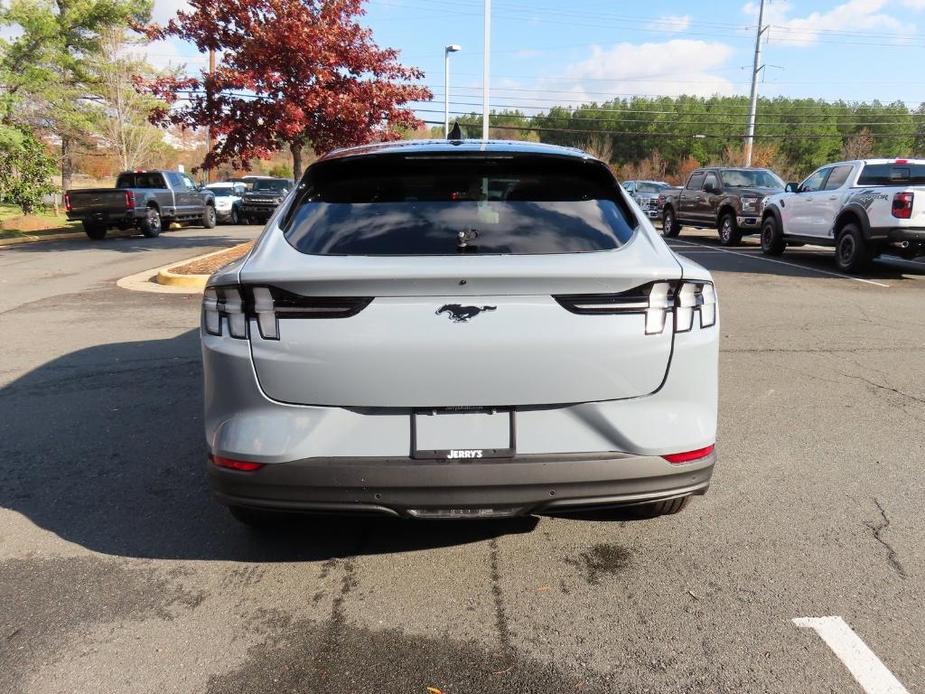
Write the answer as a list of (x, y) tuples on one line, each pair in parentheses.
[(772, 238), (235, 217), (151, 224), (95, 230), (208, 217), (670, 226), (852, 253), (729, 234)]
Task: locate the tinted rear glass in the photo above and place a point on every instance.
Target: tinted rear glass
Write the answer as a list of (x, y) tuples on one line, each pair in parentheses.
[(140, 180), (892, 174), (447, 205)]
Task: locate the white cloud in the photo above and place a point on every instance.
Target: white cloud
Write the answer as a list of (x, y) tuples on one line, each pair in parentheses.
[(670, 68), (673, 23), (165, 10), (916, 5), (852, 16)]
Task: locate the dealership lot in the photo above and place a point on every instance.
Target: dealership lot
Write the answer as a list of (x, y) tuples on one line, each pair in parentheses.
[(120, 574)]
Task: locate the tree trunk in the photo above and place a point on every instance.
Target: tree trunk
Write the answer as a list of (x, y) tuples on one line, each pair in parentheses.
[(296, 149), (67, 164)]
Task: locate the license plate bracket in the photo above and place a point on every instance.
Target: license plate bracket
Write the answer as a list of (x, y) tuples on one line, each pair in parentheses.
[(466, 435)]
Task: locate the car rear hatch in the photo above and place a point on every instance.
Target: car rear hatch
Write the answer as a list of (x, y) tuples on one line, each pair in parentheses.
[(466, 281)]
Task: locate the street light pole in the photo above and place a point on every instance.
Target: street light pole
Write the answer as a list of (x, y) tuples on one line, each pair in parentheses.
[(485, 71), (452, 48)]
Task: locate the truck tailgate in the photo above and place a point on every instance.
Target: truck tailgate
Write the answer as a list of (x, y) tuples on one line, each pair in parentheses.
[(98, 200)]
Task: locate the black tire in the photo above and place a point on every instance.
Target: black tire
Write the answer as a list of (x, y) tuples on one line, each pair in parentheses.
[(95, 230), (208, 217), (661, 508), (852, 254), (151, 225), (670, 226), (772, 237), (253, 517), (235, 217), (728, 230)]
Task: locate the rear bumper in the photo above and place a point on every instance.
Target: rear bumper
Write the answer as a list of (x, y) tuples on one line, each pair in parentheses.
[(897, 234), (440, 489), (105, 217)]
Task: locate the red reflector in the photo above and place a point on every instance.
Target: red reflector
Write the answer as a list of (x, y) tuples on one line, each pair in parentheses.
[(242, 465), (67, 202), (688, 456), (902, 161)]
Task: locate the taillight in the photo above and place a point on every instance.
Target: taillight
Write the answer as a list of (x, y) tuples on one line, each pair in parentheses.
[(67, 202), (129, 200), (655, 300), (231, 464), (689, 456), (236, 305), (902, 205)]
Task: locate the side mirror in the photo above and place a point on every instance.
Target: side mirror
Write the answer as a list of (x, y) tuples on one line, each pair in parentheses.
[(792, 187)]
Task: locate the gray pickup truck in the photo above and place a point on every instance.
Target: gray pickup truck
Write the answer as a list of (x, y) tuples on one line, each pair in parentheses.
[(727, 199), (147, 200)]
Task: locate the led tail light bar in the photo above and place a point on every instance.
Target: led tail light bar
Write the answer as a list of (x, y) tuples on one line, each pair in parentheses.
[(235, 306), (655, 300)]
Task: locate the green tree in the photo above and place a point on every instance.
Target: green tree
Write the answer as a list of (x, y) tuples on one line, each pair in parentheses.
[(26, 169), (46, 70)]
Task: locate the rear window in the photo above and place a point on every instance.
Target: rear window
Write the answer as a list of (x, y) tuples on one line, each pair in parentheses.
[(892, 174), (447, 205), (141, 180)]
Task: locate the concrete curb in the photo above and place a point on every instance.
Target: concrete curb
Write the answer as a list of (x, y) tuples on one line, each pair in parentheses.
[(27, 238), (176, 279)]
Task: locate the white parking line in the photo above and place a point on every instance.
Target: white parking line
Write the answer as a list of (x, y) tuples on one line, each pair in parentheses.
[(783, 262), (861, 662)]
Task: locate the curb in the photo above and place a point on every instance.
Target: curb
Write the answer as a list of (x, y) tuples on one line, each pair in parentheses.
[(175, 279), (26, 238)]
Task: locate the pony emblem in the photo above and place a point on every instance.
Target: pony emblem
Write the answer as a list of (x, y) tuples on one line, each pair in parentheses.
[(461, 314)]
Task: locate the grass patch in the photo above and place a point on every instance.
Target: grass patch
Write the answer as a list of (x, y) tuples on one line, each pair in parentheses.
[(14, 224)]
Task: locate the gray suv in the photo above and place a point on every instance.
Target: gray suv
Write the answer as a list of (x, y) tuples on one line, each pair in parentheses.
[(459, 330)]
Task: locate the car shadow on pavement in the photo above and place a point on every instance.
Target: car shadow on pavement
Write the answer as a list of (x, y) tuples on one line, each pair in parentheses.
[(104, 447), (800, 261), (125, 242)]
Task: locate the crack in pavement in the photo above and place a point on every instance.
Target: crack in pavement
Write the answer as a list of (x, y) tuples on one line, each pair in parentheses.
[(891, 389), (878, 529), (501, 620)]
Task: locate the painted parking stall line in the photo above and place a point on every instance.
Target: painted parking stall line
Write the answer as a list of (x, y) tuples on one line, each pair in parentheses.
[(783, 262), (861, 662)]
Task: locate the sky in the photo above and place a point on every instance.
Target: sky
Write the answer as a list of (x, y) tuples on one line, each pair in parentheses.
[(550, 52)]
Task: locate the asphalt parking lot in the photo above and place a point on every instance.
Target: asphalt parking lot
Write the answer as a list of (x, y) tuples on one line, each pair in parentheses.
[(119, 574)]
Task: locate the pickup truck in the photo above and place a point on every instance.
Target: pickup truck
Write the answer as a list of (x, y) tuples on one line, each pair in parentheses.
[(265, 195), (862, 208), (722, 198), (147, 200), (645, 193)]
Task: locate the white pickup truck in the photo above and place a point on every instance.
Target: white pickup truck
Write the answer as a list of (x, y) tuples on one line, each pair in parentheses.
[(862, 208)]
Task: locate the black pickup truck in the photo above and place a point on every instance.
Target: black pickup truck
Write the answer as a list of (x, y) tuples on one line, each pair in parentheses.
[(723, 198), (147, 200)]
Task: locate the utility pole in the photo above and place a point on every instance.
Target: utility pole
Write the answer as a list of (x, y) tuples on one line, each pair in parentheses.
[(485, 72), (209, 96), (753, 101)]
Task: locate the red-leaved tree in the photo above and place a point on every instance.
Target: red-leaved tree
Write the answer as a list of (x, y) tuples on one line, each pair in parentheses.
[(296, 73)]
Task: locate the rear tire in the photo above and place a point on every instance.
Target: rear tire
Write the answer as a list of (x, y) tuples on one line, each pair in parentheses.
[(208, 217), (670, 226), (852, 254), (728, 230), (151, 225), (772, 238), (95, 230), (235, 218)]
